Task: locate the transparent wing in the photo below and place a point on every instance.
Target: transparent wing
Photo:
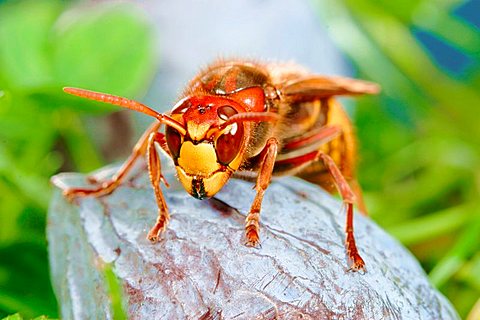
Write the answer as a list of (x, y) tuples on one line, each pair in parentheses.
[(322, 87)]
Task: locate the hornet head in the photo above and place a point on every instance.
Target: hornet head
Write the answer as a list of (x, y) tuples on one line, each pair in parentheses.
[(214, 144)]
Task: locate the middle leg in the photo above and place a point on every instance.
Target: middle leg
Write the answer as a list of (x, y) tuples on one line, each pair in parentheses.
[(252, 222)]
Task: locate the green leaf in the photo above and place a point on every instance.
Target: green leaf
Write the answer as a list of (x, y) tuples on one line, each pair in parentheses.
[(15, 316), (81, 148), (30, 183), (433, 225), (466, 245), (24, 30), (11, 207), (107, 49), (27, 289), (115, 292)]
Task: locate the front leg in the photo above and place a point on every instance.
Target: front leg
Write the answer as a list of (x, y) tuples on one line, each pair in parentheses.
[(252, 222), (155, 174)]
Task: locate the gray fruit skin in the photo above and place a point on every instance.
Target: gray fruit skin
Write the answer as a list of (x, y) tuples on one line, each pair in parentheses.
[(202, 270)]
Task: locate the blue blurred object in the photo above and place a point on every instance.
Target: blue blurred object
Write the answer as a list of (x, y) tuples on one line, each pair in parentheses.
[(449, 58), (470, 11)]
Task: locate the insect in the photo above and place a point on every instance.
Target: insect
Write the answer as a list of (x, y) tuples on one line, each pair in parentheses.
[(253, 121)]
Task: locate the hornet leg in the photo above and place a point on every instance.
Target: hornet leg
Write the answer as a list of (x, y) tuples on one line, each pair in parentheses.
[(252, 225), (349, 199), (346, 192), (108, 186), (156, 177)]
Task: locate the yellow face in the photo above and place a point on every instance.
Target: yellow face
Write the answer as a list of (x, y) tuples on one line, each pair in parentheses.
[(198, 170), (198, 158)]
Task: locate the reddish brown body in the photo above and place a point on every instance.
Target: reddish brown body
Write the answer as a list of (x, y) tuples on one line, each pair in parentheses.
[(252, 121)]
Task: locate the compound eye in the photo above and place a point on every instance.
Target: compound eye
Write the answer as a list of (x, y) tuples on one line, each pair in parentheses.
[(174, 141), (225, 112), (229, 143)]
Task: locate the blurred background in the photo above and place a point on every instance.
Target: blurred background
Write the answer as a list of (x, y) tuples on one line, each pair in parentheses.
[(419, 139)]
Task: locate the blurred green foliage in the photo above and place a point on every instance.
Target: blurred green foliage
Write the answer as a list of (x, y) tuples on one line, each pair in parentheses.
[(17, 316), (420, 139), (45, 45), (116, 293)]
